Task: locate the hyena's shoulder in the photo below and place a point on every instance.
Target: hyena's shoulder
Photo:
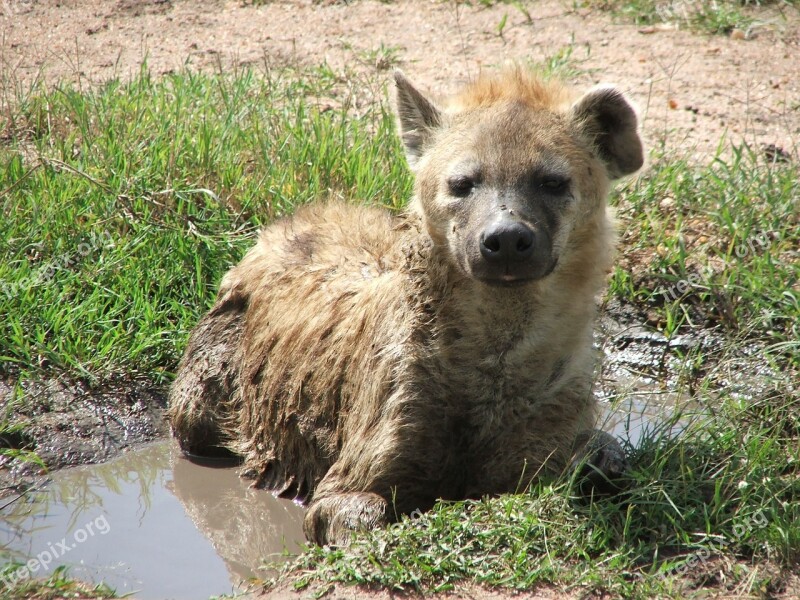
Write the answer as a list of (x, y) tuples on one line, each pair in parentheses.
[(336, 246)]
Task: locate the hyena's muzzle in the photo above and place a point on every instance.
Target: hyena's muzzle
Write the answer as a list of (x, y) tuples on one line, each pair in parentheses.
[(512, 245)]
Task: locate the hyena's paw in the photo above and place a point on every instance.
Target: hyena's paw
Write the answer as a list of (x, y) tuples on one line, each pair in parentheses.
[(332, 519), (601, 464)]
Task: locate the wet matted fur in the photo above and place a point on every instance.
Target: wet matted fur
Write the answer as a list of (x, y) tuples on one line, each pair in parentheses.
[(370, 364)]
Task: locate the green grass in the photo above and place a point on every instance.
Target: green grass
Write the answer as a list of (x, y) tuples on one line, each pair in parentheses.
[(55, 587), (721, 497), (121, 208), (715, 245), (715, 17)]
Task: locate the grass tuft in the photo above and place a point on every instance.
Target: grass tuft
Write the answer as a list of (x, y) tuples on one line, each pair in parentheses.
[(718, 17), (122, 208)]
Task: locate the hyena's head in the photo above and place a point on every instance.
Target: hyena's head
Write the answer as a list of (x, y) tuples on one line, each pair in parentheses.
[(513, 167)]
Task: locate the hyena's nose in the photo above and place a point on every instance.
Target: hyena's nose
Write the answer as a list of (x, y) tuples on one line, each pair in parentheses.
[(507, 241)]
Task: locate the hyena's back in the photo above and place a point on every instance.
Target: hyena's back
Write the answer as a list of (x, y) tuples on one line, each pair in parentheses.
[(268, 372)]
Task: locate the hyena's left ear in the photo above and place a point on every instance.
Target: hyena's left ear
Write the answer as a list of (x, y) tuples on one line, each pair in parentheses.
[(418, 118), (607, 118)]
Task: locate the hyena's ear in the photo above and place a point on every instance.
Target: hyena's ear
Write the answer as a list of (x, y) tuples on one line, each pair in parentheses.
[(418, 118), (607, 118)]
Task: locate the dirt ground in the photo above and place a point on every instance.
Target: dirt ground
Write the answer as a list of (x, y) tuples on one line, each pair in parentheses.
[(71, 424), (691, 88), (467, 592)]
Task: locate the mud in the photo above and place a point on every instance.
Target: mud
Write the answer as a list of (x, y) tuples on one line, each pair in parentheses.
[(688, 371), (68, 424), (153, 523)]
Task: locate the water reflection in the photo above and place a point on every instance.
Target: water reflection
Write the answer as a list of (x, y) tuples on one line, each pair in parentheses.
[(174, 529), (245, 526)]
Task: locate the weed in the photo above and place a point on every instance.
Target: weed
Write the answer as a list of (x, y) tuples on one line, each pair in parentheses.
[(717, 17), (502, 25)]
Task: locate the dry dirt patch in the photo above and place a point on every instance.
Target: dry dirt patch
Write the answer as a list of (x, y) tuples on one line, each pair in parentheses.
[(463, 592), (691, 88)]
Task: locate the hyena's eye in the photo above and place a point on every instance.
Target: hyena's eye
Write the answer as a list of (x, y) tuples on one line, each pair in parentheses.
[(554, 185), (460, 185)]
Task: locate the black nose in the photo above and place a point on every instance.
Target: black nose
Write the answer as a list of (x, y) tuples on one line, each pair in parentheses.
[(507, 241)]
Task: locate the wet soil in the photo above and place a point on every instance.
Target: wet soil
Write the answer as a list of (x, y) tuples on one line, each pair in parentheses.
[(642, 365), (72, 423)]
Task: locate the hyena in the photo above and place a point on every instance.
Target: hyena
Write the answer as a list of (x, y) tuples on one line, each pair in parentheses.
[(370, 364)]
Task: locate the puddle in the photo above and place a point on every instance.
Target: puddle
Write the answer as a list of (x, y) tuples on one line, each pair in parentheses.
[(156, 525), (643, 380), (153, 523)]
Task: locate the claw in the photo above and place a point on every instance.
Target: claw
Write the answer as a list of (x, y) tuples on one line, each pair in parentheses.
[(600, 463)]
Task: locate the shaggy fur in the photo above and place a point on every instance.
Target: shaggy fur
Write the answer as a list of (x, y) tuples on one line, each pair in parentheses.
[(370, 364)]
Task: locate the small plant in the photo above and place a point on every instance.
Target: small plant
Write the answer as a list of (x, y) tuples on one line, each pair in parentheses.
[(523, 9), (383, 58), (717, 17), (502, 25)]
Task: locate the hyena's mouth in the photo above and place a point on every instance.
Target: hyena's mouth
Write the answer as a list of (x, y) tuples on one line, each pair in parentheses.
[(513, 275), (508, 281)]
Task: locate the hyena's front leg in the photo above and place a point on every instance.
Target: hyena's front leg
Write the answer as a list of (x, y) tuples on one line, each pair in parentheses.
[(331, 519), (601, 462), (365, 490)]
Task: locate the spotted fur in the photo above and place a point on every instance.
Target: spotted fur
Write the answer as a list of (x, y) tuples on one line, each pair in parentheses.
[(369, 365)]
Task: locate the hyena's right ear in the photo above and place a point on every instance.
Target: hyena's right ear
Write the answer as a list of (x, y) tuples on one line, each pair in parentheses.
[(418, 118), (609, 121)]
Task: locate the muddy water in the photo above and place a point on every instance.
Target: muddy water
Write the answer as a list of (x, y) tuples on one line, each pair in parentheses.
[(644, 379), (154, 523)]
